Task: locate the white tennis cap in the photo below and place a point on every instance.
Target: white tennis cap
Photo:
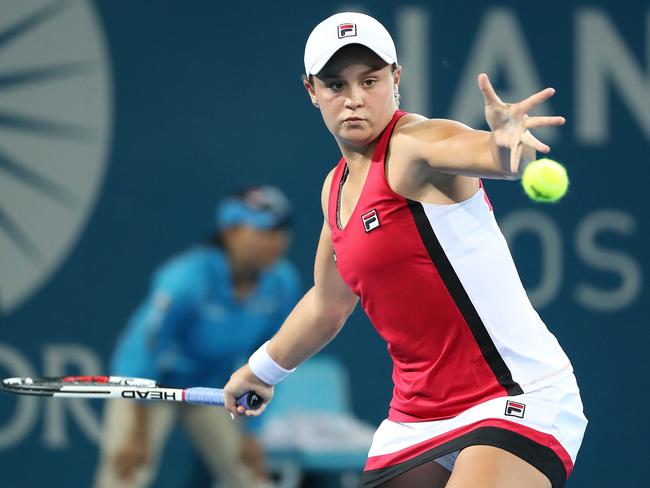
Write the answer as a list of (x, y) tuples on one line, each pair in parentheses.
[(342, 29)]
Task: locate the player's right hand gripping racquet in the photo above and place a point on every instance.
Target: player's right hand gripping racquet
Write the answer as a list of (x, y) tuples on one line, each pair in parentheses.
[(122, 387)]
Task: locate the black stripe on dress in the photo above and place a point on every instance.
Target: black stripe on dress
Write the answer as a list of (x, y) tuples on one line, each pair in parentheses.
[(460, 297), (541, 457)]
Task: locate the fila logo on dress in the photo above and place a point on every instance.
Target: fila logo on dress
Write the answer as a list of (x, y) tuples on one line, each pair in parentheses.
[(370, 220), (515, 409), (347, 30)]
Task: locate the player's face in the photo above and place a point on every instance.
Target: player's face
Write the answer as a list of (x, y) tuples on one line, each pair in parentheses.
[(254, 248), (356, 95)]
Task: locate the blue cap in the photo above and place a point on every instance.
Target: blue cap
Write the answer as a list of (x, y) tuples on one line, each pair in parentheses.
[(262, 207)]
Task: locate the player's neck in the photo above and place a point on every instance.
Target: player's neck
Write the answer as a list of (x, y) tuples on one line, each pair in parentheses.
[(357, 158)]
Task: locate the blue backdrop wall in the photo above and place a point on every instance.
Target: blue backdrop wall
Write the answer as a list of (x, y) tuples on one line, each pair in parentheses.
[(122, 123)]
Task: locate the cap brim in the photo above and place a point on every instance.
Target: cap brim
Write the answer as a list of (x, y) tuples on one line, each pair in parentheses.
[(320, 64)]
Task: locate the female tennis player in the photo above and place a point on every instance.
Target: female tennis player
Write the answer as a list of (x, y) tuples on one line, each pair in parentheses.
[(483, 394)]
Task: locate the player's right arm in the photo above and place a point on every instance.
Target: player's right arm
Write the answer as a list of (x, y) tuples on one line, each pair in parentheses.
[(313, 322), (452, 148)]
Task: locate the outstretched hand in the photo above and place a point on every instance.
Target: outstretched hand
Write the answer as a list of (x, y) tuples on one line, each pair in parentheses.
[(510, 123)]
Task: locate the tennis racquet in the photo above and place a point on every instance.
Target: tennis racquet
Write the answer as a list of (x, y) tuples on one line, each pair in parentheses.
[(121, 387)]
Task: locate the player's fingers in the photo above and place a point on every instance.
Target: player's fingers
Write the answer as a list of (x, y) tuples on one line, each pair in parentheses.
[(535, 99), (258, 411), (489, 95), (532, 141), (515, 157), (237, 410), (230, 403), (533, 122), (230, 399)]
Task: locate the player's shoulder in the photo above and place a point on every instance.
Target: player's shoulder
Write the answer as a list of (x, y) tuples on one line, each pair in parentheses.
[(327, 183), (325, 191), (415, 126)]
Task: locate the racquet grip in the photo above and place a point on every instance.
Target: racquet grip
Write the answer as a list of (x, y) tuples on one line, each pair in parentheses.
[(214, 396), (204, 396)]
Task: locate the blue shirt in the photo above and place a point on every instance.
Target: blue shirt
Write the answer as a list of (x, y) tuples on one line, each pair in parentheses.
[(191, 330)]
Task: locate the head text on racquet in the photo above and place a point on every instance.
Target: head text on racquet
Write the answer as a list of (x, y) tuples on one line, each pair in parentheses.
[(121, 387)]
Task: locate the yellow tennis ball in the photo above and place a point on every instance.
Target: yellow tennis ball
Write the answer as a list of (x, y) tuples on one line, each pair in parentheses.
[(545, 180)]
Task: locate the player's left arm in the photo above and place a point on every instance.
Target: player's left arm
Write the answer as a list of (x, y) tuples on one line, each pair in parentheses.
[(451, 147)]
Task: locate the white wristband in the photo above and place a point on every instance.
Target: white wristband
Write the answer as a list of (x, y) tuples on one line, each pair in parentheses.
[(265, 368)]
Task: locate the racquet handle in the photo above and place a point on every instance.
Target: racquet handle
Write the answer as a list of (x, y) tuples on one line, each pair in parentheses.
[(214, 396)]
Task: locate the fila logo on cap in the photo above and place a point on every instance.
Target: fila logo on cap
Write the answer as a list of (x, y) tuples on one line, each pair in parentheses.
[(370, 220), (347, 30), (515, 409)]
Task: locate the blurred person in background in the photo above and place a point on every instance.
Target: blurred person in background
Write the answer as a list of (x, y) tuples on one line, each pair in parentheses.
[(206, 309)]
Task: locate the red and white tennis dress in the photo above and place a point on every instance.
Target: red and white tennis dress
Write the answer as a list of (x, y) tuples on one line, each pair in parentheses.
[(473, 361)]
